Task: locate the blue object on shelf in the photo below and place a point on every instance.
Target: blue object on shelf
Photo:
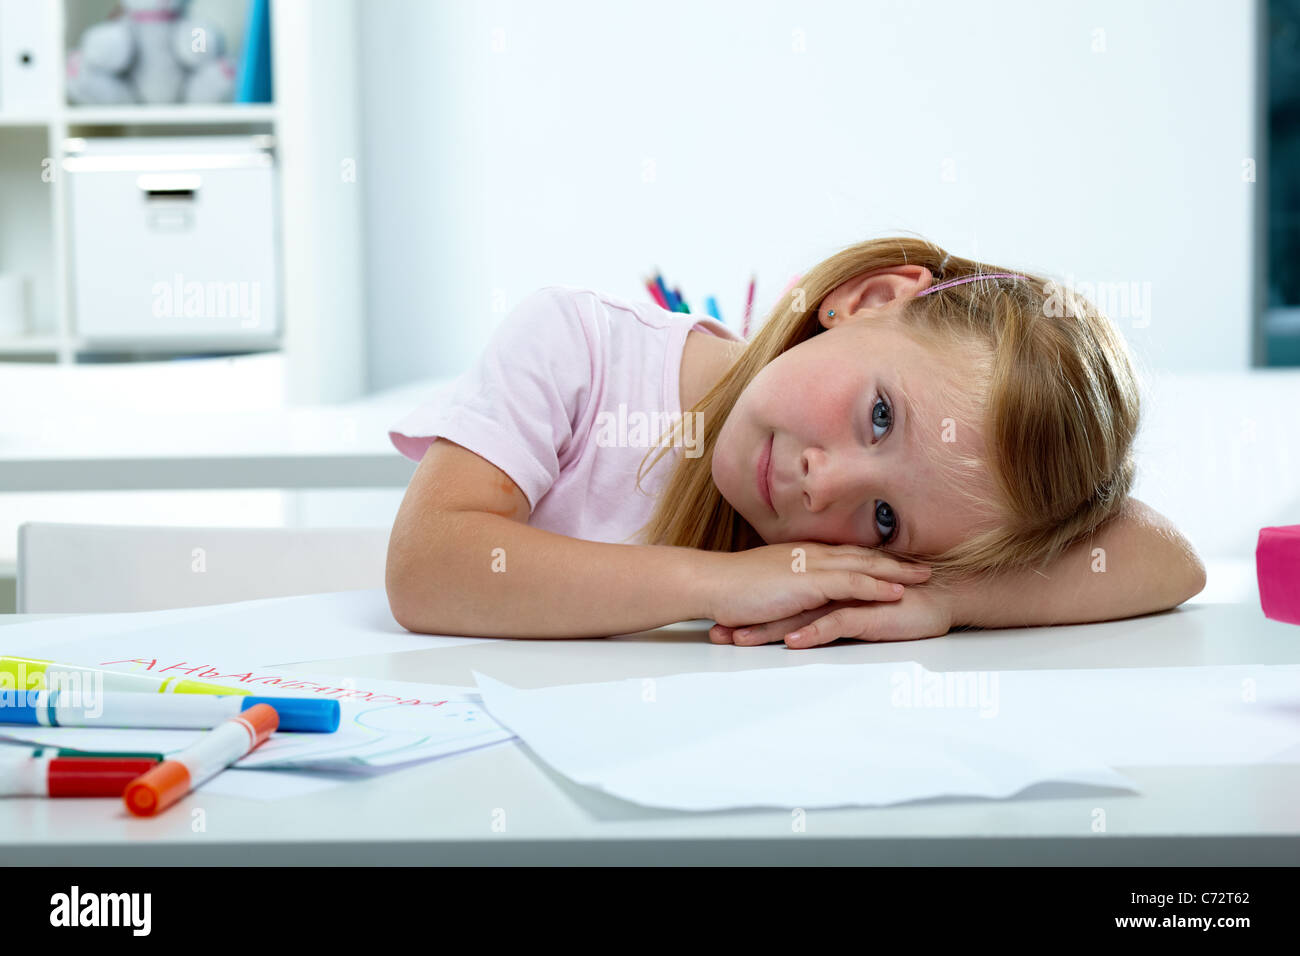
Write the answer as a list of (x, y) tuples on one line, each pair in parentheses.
[(254, 82), (667, 292)]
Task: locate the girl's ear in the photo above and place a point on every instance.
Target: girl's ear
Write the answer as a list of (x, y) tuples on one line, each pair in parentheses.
[(873, 290)]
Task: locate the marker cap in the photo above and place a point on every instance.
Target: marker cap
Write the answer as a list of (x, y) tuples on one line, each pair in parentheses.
[(302, 713), (157, 789), (264, 719), (20, 706)]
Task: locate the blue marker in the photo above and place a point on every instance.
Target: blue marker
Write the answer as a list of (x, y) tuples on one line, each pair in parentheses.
[(711, 306), (59, 708), (667, 292)]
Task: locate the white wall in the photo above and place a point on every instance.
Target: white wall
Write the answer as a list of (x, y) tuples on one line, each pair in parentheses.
[(499, 170)]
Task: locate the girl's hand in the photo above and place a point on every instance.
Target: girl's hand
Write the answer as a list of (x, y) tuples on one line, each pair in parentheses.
[(778, 581), (921, 612)]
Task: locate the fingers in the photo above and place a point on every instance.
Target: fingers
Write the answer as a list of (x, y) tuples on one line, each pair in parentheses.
[(882, 564), (882, 623), (844, 622), (860, 586), (905, 572), (773, 631)]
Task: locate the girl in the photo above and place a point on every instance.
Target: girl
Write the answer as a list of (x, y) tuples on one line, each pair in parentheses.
[(911, 442)]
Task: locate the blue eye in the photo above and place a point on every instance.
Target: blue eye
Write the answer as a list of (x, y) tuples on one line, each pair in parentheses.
[(882, 416), (886, 523), (879, 411)]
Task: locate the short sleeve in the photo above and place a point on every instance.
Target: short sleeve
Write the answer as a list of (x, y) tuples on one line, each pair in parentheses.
[(518, 405)]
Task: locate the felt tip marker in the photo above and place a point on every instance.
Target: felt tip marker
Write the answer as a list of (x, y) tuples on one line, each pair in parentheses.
[(666, 292), (221, 746), (23, 774), (30, 674), (749, 307), (59, 708), (656, 294), (156, 756)]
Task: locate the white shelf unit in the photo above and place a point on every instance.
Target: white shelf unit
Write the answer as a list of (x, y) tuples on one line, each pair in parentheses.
[(315, 126)]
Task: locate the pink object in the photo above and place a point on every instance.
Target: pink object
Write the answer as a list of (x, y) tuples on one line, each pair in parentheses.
[(572, 390), (749, 307), (1277, 565), (656, 294), (975, 278)]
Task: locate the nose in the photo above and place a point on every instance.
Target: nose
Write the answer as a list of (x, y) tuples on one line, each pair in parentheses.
[(828, 479)]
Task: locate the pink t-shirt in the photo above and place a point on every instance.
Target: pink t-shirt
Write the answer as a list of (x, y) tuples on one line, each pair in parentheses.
[(573, 389)]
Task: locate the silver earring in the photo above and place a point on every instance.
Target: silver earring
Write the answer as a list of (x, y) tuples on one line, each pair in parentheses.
[(830, 313)]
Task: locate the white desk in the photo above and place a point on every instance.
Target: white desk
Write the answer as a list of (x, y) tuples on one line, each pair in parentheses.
[(443, 811)]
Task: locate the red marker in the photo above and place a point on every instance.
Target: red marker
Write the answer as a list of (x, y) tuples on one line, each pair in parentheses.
[(656, 294), (31, 773)]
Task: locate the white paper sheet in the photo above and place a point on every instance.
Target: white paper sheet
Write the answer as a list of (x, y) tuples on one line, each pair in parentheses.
[(835, 735), (369, 735), (150, 655), (36, 634), (814, 736), (383, 722), (1223, 715), (309, 627)]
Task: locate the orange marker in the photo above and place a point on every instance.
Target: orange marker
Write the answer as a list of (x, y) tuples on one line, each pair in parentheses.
[(157, 789)]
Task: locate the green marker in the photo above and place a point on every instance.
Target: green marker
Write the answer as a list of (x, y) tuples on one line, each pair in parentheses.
[(71, 752)]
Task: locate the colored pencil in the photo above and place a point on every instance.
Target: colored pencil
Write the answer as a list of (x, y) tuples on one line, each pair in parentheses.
[(749, 307), (656, 294), (671, 303)]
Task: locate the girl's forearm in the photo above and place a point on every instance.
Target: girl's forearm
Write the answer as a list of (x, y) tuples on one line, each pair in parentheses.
[(1136, 563), (482, 575)]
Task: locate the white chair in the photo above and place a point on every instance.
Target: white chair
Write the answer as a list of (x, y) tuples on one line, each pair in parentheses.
[(82, 568)]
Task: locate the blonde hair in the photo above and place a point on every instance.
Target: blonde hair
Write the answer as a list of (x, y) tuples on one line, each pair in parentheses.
[(1046, 375)]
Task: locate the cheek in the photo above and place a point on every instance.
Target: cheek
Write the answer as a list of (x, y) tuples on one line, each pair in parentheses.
[(823, 404), (726, 452), (785, 393)]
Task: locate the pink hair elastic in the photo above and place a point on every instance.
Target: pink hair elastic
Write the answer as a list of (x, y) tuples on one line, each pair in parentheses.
[(964, 279)]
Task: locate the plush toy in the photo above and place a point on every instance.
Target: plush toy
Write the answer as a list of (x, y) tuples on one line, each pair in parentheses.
[(153, 54)]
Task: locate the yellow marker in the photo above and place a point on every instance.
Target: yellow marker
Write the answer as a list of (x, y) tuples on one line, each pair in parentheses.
[(22, 673)]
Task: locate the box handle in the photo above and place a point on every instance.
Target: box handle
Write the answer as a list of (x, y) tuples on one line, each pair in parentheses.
[(169, 186)]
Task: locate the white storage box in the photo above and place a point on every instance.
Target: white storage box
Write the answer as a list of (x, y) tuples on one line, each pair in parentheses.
[(173, 241), (29, 67)]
